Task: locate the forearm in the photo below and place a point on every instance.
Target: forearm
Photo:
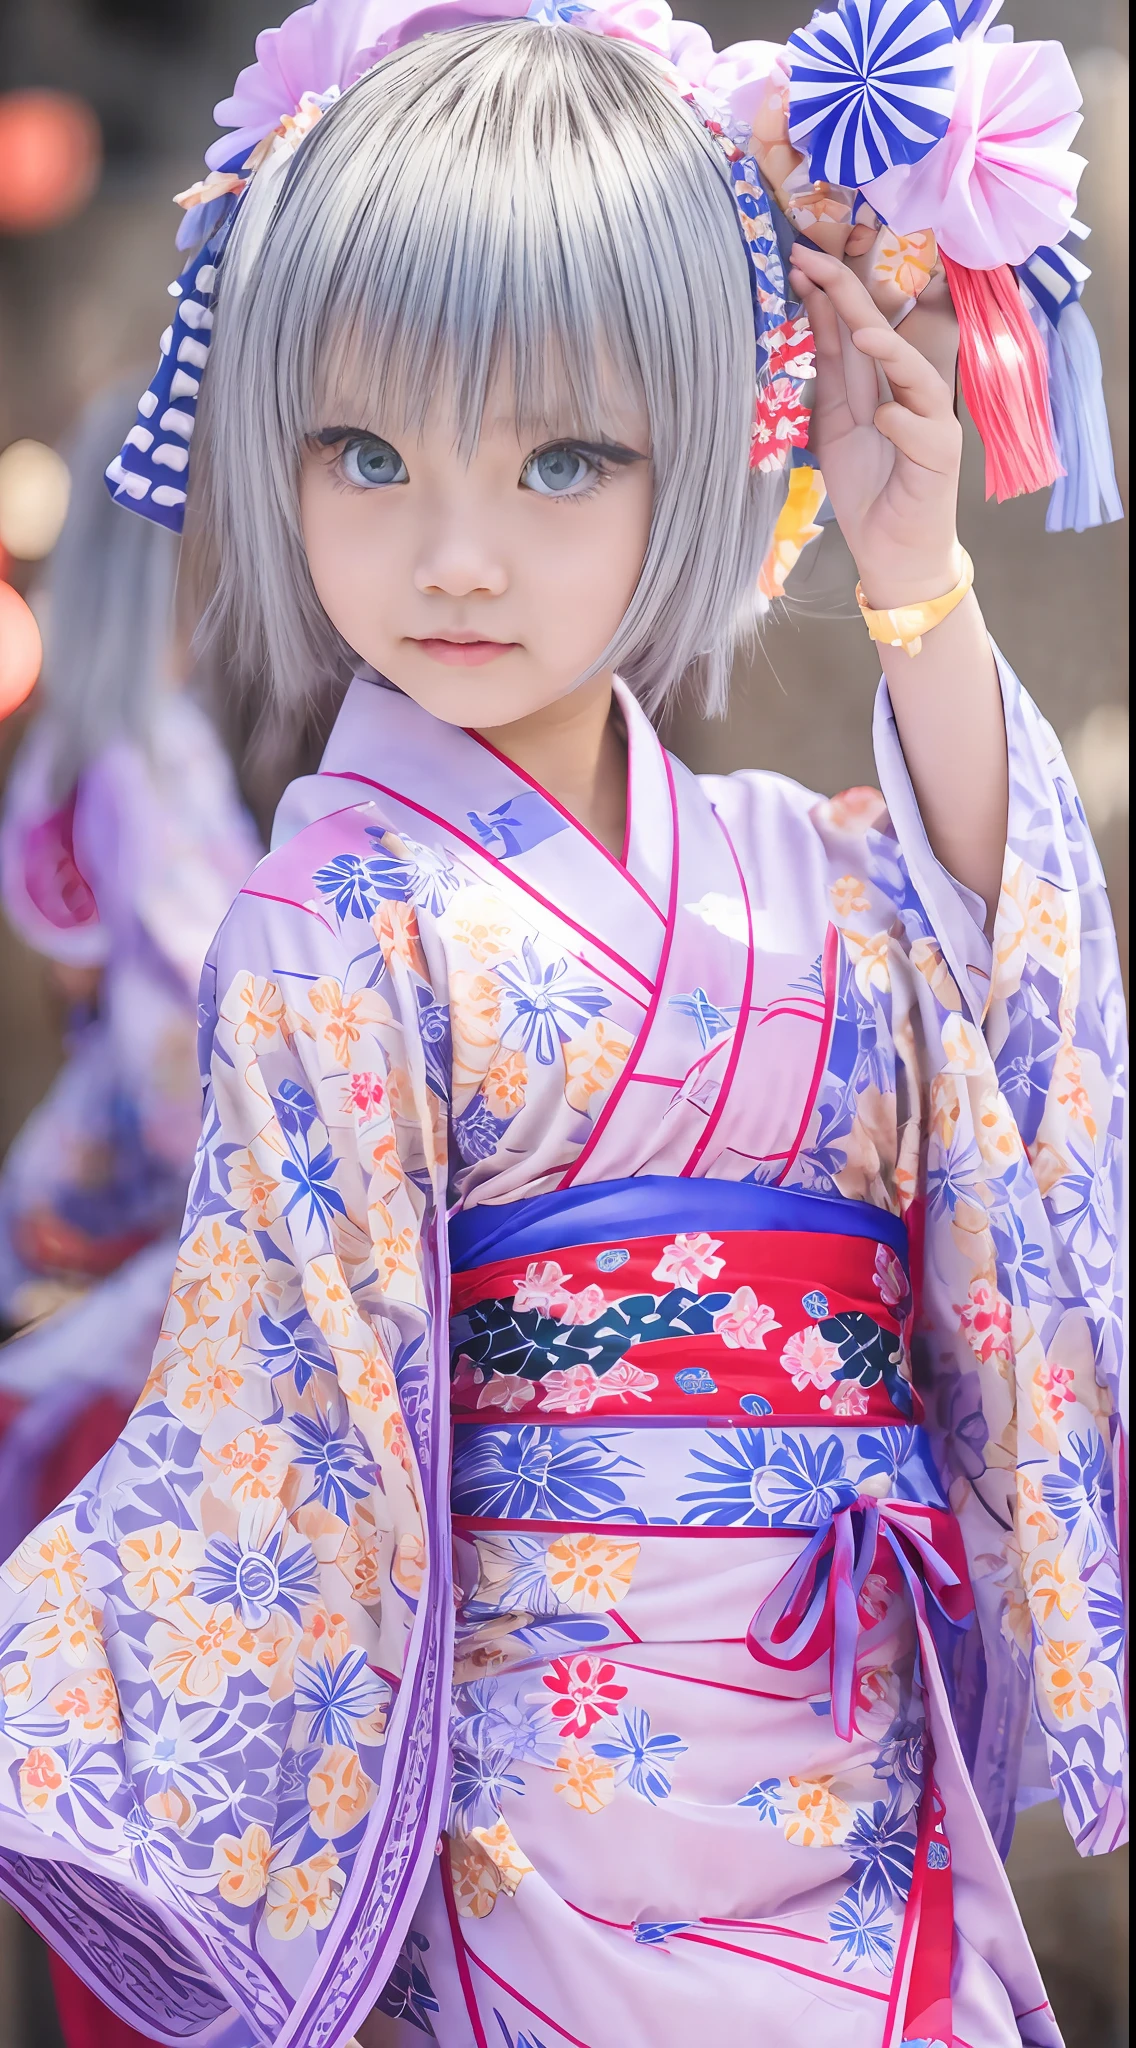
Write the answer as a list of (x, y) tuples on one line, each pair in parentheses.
[(948, 713), (889, 446)]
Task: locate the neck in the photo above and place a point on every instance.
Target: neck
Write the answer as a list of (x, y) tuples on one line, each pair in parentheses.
[(576, 749)]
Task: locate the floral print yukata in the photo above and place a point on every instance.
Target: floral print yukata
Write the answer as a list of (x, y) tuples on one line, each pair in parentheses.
[(696, 1667)]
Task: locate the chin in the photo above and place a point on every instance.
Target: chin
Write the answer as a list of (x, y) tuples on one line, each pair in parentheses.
[(477, 697)]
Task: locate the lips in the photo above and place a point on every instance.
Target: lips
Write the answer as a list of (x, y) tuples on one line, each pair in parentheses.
[(459, 653)]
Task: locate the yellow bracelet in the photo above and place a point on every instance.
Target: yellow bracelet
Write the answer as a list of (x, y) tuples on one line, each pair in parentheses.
[(906, 625)]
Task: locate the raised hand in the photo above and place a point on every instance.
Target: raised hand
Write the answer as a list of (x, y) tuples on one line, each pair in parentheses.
[(889, 451)]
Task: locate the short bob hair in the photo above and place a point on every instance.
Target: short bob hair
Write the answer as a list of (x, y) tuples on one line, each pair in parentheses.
[(511, 194)]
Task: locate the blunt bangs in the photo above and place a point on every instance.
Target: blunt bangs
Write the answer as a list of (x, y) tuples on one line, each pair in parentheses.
[(510, 202)]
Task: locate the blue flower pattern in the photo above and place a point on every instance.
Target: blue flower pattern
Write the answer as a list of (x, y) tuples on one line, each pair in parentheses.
[(258, 1581), (337, 1694), (642, 1759), (334, 1460), (548, 1003), (533, 1472), (408, 1994), (764, 1478)]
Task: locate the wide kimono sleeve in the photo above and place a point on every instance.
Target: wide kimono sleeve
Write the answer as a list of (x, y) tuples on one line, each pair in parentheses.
[(1003, 1146), (224, 1659)]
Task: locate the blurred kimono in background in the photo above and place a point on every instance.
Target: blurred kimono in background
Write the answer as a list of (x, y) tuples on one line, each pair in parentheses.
[(122, 843)]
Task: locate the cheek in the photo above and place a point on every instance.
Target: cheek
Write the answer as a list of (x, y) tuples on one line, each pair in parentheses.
[(595, 557), (623, 530), (320, 524), (637, 525), (338, 546)]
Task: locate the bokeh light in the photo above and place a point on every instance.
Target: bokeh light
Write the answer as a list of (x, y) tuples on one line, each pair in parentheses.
[(21, 650), (50, 158), (35, 485)]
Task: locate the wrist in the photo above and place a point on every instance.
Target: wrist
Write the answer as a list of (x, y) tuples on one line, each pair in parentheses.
[(903, 625), (919, 580)]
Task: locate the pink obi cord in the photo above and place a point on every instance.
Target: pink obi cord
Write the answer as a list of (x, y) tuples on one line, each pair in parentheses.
[(817, 1605)]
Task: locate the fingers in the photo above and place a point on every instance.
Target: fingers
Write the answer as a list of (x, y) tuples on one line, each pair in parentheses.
[(853, 300), (846, 378), (933, 445), (845, 375), (911, 377), (823, 318)]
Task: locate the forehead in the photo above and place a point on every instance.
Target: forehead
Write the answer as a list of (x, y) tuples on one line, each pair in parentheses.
[(387, 393)]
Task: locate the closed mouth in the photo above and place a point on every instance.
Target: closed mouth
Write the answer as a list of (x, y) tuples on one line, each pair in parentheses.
[(463, 650)]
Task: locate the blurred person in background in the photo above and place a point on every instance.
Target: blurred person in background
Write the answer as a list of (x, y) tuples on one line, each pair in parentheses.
[(123, 840)]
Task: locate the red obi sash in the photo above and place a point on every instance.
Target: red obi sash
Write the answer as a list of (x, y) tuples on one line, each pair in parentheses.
[(794, 1325)]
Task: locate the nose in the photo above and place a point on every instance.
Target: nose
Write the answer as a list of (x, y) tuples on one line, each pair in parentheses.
[(458, 559)]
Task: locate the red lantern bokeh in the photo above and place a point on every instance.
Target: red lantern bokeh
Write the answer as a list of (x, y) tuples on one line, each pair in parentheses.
[(21, 650), (50, 157)]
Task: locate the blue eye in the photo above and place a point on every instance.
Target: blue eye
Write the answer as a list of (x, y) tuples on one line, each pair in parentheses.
[(371, 463), (559, 472)]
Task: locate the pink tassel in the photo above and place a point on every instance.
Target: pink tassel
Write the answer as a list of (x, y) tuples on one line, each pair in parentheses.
[(1005, 380)]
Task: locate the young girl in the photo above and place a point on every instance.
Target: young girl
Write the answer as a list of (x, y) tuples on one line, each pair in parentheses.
[(734, 1168)]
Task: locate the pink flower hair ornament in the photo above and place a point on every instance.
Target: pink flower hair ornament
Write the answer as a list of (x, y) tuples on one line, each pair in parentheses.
[(957, 133), (1002, 182)]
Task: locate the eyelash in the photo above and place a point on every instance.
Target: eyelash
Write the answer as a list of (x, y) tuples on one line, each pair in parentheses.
[(340, 445), (604, 471)]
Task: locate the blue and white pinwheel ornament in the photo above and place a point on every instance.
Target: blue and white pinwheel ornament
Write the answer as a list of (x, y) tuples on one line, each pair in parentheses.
[(872, 87), (969, 16)]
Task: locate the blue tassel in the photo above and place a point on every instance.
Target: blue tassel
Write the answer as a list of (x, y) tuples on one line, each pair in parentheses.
[(1086, 495)]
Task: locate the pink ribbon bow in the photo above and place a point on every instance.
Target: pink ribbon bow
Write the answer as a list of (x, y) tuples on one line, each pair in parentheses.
[(815, 1606)]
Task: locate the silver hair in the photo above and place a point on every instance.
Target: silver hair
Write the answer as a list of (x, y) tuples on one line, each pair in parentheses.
[(508, 193), (105, 602)]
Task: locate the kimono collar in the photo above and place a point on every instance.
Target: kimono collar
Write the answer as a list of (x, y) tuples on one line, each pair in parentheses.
[(390, 746)]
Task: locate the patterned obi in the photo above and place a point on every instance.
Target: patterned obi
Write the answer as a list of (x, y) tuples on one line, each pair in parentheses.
[(654, 1298), (709, 1360), (666, 1353)]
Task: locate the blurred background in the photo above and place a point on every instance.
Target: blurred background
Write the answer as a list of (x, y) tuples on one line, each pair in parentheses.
[(105, 110)]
